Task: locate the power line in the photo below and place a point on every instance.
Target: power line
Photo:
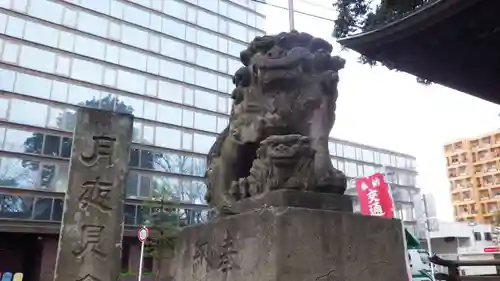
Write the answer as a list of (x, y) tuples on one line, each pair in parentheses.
[(298, 12)]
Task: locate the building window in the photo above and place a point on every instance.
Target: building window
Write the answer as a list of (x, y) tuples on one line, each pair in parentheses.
[(408, 213), (349, 152), (385, 159), (376, 157), (368, 155), (359, 154), (332, 148), (487, 236), (477, 236), (351, 169), (369, 170), (340, 150)]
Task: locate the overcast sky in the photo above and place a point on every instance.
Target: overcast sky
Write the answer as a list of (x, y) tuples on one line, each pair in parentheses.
[(388, 109)]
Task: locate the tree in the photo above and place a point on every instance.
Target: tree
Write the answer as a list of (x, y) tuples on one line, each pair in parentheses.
[(356, 16), (166, 222), (164, 226), (173, 189)]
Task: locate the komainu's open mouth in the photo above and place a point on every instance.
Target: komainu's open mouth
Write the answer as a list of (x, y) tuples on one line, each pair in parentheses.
[(246, 155)]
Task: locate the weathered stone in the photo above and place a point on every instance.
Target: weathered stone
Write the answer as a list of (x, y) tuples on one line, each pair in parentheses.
[(279, 243), (92, 227), (288, 86), (293, 198), (283, 162)]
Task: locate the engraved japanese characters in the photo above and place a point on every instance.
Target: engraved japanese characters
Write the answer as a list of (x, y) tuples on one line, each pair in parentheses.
[(102, 148), (92, 227), (283, 111), (221, 257), (89, 242)]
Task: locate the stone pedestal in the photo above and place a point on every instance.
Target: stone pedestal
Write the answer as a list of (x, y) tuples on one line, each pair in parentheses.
[(291, 243), (294, 198), (92, 226)]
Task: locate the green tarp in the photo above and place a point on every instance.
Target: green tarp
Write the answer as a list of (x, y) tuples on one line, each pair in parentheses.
[(411, 241)]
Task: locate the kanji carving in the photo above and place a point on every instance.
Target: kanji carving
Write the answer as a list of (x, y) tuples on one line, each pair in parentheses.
[(227, 254), (96, 193), (89, 242), (103, 149)]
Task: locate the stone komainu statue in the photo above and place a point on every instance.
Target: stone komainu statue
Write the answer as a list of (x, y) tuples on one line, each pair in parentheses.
[(283, 111)]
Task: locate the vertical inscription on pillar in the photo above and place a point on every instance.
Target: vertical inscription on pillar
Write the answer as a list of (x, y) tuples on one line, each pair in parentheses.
[(201, 255), (92, 228), (102, 149), (220, 256), (227, 254), (89, 242), (96, 194)]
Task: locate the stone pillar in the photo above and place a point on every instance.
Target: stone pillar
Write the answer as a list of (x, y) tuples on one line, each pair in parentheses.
[(92, 226), (292, 236)]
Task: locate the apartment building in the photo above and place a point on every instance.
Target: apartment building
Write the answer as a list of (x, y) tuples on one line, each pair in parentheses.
[(473, 171), (167, 62)]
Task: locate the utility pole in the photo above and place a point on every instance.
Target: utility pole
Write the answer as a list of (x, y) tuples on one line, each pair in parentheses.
[(428, 232), (291, 15)]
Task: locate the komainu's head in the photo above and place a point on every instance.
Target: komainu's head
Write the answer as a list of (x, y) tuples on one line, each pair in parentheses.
[(285, 150), (285, 78), (283, 60)]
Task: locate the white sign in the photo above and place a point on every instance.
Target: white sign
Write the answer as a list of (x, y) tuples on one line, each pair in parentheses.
[(143, 234)]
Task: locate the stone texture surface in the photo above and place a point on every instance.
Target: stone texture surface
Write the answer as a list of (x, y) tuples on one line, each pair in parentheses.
[(89, 246), (289, 244), (48, 261), (282, 114), (294, 198)]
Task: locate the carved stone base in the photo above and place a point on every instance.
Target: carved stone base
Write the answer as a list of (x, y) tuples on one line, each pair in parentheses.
[(292, 244), (294, 198)]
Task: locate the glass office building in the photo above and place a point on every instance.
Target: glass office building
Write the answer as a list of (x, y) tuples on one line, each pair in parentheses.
[(167, 62), (358, 160)]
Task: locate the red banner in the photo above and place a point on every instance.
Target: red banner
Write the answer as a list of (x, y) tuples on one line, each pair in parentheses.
[(375, 200), (373, 195)]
